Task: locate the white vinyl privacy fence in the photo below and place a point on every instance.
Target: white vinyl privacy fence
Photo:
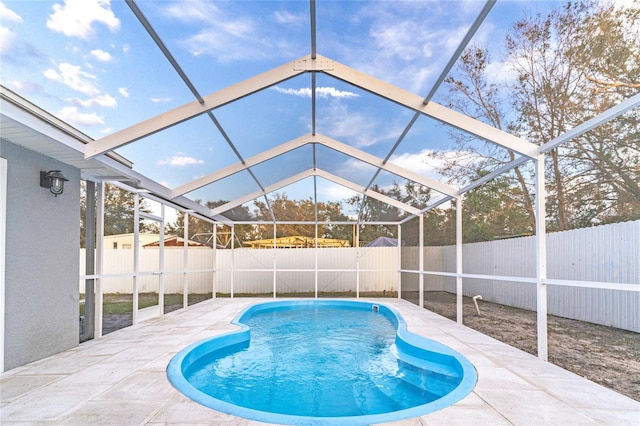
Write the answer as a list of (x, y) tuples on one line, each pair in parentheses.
[(578, 262), (254, 271)]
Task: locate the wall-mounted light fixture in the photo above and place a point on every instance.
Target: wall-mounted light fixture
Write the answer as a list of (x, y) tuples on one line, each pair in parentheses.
[(54, 180)]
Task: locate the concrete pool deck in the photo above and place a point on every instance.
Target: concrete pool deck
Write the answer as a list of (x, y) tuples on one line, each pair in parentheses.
[(120, 379)]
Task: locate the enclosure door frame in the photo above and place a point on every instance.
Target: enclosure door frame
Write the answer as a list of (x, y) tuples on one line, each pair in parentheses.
[(154, 311)]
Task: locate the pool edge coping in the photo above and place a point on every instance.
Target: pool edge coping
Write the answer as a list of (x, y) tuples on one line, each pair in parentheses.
[(174, 371)]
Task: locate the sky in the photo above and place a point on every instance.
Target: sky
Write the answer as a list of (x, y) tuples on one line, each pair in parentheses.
[(92, 64)]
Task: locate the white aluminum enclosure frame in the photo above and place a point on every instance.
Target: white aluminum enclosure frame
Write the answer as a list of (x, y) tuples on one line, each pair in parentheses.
[(100, 152), (3, 235), (100, 275), (316, 63)]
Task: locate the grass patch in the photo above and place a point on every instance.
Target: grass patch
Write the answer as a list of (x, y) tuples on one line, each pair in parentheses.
[(122, 304)]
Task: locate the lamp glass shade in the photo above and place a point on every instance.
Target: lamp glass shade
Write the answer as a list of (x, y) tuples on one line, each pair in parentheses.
[(56, 181), (57, 185)]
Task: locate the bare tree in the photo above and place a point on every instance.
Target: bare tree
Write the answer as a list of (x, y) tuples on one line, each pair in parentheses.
[(472, 94), (569, 65)]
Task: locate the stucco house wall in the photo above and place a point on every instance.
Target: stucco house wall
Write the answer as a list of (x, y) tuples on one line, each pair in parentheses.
[(42, 241)]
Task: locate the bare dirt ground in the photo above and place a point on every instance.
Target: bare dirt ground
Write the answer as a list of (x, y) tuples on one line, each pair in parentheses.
[(605, 355)]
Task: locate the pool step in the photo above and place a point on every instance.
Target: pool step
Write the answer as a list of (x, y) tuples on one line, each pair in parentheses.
[(432, 382), (371, 399), (404, 393), (424, 362)]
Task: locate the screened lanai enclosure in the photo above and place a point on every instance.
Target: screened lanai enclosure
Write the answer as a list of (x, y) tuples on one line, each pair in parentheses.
[(261, 148)]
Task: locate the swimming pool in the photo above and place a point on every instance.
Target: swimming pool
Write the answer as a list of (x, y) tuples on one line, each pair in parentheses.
[(321, 362)]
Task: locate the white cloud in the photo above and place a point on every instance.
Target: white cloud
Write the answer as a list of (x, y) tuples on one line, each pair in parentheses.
[(25, 86), (349, 126), (353, 127), (194, 12), (501, 73), (305, 92), (7, 36), (408, 43), (411, 52), (101, 55), (72, 116), (225, 46), (158, 100), (105, 101), (180, 161), (229, 34), (355, 167), (416, 162), (6, 40), (283, 17), (7, 14), (123, 92), (398, 39), (423, 164), (100, 100), (322, 92), (333, 192), (76, 17), (226, 37), (73, 77), (326, 92)]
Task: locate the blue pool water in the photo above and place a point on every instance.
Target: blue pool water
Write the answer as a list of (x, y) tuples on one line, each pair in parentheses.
[(320, 361)]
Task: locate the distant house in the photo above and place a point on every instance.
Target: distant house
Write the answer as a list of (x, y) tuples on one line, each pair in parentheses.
[(125, 241), (297, 241), (172, 241)]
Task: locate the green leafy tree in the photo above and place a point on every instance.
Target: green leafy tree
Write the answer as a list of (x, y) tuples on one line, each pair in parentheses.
[(374, 210), (492, 210), (439, 227), (287, 210), (119, 212), (204, 229)]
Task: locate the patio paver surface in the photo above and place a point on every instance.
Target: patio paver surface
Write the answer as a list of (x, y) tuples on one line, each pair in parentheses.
[(120, 379)]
